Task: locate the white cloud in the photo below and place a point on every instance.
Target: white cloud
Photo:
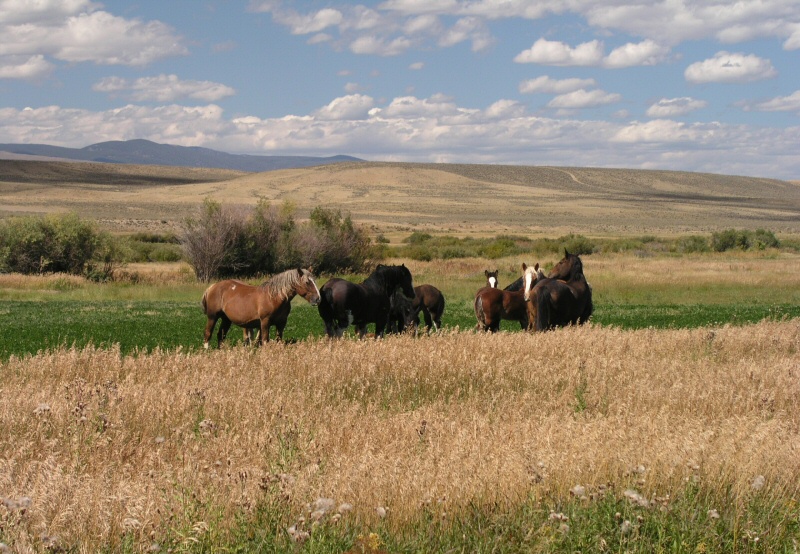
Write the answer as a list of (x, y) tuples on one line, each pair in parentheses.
[(72, 31), (505, 109), (21, 67), (163, 88), (789, 103), (725, 67), (549, 85), (304, 24), (548, 52), (416, 66), (467, 28), (380, 47), (647, 52), (674, 107), (433, 129), (41, 12), (353, 106), (580, 99)]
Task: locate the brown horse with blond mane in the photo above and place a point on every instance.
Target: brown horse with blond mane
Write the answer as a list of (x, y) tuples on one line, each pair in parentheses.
[(256, 307), (493, 305)]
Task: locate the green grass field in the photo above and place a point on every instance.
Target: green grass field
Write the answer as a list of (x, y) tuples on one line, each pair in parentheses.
[(28, 326)]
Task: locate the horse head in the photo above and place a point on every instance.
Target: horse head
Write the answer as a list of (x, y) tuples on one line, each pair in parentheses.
[(531, 276), (306, 287), (406, 282), (568, 268), (491, 278)]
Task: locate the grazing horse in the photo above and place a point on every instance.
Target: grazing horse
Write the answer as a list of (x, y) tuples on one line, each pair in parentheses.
[(256, 307), (562, 299), (430, 301), (493, 305), (344, 303)]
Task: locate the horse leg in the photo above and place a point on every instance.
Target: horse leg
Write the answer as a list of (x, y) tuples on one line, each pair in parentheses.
[(279, 331), (426, 313), (223, 330), (265, 324), (362, 330), (212, 321)]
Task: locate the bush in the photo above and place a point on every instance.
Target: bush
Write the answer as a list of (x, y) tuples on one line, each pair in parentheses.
[(52, 244), (223, 242), (692, 244), (729, 239)]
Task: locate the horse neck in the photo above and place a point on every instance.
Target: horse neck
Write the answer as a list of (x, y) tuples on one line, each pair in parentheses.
[(380, 283)]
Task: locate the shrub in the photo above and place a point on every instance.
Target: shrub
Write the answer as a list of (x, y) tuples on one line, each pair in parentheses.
[(51, 244), (692, 244), (729, 239)]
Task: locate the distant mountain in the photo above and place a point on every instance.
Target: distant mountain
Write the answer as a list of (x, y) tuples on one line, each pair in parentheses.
[(146, 152)]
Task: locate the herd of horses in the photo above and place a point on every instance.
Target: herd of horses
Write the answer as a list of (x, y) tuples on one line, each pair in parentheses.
[(388, 299)]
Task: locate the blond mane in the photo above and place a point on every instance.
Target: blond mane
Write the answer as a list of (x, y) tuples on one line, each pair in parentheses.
[(282, 285)]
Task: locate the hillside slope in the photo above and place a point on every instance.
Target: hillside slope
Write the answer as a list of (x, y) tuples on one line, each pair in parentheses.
[(466, 199)]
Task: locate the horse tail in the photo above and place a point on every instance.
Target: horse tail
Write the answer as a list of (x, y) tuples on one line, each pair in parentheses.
[(325, 308), (479, 313), (542, 303), (204, 301)]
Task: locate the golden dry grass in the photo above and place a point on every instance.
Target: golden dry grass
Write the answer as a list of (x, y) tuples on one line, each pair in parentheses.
[(102, 444), (396, 197)]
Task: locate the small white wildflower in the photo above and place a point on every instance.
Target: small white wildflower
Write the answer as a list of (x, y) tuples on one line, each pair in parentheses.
[(758, 483), (636, 498), (41, 409), (324, 504), (578, 490), (625, 527), (317, 515), (713, 514), (563, 528), (381, 511), (558, 517), (344, 507), (159, 440), (130, 523)]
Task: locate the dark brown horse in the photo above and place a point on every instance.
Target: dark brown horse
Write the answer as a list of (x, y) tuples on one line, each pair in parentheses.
[(430, 301), (564, 298), (399, 309), (256, 307), (493, 305), (344, 303)]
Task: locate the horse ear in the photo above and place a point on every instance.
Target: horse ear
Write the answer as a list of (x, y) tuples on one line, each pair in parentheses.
[(310, 269), (486, 273), (536, 267), (300, 271), (566, 254), (524, 266)]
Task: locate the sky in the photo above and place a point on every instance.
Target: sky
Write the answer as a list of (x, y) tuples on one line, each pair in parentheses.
[(692, 85)]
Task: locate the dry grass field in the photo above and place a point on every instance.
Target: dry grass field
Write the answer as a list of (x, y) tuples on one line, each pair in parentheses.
[(99, 446), (457, 199)]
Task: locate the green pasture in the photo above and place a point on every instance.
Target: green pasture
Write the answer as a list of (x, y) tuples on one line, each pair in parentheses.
[(139, 325)]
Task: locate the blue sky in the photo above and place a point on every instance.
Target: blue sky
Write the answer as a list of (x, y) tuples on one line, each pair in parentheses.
[(696, 85)]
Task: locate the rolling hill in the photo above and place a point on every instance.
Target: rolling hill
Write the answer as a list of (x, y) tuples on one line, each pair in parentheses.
[(150, 153), (396, 198)]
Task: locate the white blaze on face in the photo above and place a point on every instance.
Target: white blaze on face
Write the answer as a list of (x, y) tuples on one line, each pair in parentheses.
[(493, 282), (528, 283)]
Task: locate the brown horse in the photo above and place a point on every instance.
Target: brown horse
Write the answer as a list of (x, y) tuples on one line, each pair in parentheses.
[(562, 299), (493, 305), (256, 307), (344, 303), (491, 278), (430, 301)]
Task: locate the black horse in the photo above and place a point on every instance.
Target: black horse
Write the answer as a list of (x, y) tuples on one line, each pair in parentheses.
[(563, 298), (344, 303)]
